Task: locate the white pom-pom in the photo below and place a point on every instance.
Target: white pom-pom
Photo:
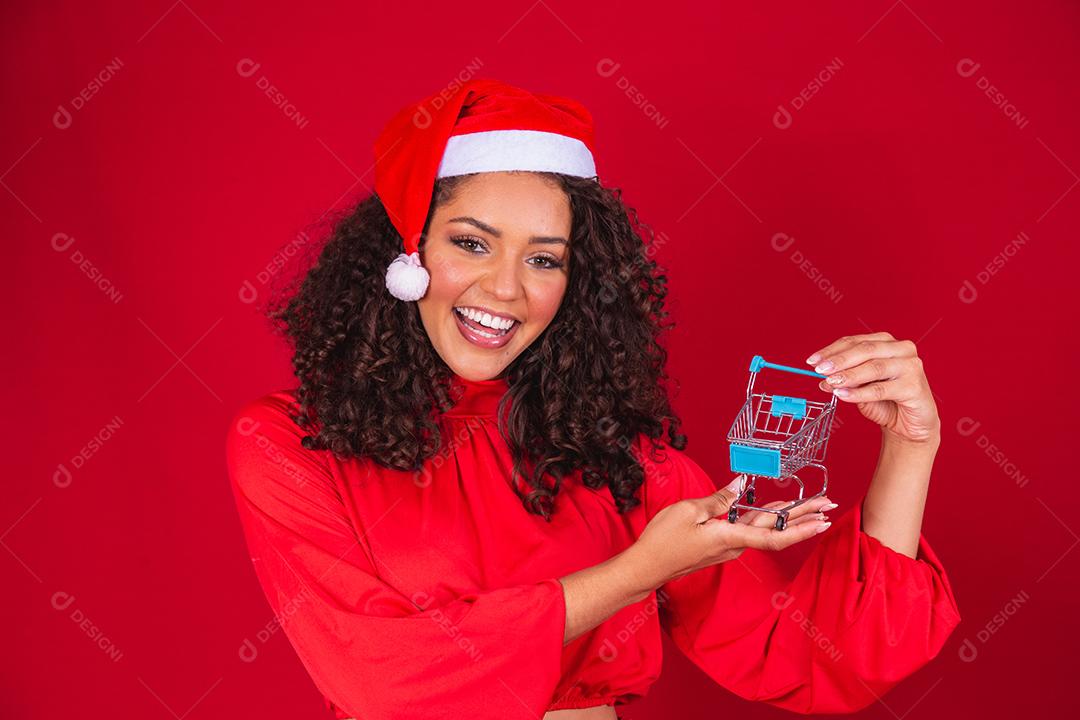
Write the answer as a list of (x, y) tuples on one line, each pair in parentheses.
[(406, 278)]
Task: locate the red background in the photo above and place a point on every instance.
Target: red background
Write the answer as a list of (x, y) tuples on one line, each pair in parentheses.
[(179, 180)]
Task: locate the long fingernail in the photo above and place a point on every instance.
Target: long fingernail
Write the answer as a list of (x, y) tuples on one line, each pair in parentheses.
[(813, 359), (824, 527), (830, 506)]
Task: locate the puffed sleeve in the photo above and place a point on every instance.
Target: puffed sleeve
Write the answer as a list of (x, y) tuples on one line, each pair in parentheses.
[(372, 650), (857, 618)]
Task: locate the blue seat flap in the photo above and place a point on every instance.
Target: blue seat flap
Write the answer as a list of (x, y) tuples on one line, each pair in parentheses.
[(783, 405)]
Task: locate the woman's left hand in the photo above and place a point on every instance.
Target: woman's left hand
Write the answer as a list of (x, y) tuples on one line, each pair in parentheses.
[(884, 377)]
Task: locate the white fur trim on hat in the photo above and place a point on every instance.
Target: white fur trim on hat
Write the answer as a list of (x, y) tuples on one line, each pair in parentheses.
[(406, 278), (504, 150)]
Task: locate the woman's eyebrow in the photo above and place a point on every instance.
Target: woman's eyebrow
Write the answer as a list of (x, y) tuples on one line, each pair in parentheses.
[(497, 233)]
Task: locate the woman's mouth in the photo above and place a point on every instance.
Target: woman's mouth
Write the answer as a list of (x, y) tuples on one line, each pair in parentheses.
[(471, 325)]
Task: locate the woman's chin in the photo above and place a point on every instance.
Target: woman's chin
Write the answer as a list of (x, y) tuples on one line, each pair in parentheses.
[(473, 363)]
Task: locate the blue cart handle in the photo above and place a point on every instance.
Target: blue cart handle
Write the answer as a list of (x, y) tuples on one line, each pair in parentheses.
[(759, 362)]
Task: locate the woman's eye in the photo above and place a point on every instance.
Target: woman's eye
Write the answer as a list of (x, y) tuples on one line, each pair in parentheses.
[(548, 262), (467, 243)]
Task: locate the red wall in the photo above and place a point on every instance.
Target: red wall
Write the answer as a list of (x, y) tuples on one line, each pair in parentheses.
[(174, 179)]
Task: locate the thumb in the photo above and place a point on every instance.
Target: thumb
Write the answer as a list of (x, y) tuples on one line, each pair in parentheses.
[(720, 501)]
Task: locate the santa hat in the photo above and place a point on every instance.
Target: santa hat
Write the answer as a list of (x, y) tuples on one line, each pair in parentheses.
[(482, 126)]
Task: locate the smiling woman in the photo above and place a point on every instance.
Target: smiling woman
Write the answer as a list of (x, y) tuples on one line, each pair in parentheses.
[(401, 500), (500, 242), (500, 247)]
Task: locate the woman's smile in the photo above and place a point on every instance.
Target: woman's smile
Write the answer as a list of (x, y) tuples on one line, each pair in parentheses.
[(484, 329)]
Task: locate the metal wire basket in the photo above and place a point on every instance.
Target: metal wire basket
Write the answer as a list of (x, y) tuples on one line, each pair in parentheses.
[(776, 436)]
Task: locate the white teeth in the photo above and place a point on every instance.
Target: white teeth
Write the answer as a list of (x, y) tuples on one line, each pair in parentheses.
[(495, 323)]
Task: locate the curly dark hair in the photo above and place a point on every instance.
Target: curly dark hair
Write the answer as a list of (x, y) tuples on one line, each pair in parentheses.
[(372, 384)]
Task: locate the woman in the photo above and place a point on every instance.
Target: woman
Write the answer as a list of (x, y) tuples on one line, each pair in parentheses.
[(468, 507)]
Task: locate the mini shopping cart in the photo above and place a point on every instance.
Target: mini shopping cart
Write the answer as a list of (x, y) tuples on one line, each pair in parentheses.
[(776, 436)]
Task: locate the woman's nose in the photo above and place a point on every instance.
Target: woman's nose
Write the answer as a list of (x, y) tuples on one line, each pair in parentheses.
[(503, 279)]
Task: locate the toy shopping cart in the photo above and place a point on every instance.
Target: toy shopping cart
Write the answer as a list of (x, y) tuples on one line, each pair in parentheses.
[(776, 436)]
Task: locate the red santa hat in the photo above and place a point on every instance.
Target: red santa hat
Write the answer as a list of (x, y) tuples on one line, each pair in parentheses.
[(483, 126)]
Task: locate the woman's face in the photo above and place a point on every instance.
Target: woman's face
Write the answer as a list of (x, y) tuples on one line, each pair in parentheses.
[(500, 247)]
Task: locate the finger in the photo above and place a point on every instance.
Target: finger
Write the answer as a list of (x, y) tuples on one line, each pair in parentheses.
[(772, 539), (871, 371), (764, 519), (843, 343), (759, 518), (717, 503), (857, 351), (810, 517), (899, 390)]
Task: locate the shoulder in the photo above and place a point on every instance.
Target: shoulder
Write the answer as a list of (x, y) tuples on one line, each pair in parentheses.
[(278, 402), (263, 446), (270, 415), (670, 474)]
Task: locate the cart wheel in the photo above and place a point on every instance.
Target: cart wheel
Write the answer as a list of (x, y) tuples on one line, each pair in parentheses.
[(750, 496), (781, 522), (733, 514)]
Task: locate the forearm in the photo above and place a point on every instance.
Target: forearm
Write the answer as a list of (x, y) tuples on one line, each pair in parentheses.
[(892, 510), (596, 593)]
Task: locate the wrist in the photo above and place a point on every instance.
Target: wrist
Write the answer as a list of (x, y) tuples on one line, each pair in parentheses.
[(930, 444), (632, 571)]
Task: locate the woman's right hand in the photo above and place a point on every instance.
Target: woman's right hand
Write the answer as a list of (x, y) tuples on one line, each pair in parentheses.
[(695, 533)]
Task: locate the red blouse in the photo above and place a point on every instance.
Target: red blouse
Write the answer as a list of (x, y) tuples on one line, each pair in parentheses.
[(437, 594)]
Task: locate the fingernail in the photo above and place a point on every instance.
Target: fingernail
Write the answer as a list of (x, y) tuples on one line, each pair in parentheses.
[(825, 366), (813, 359), (734, 484), (828, 507), (842, 392), (824, 527)]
